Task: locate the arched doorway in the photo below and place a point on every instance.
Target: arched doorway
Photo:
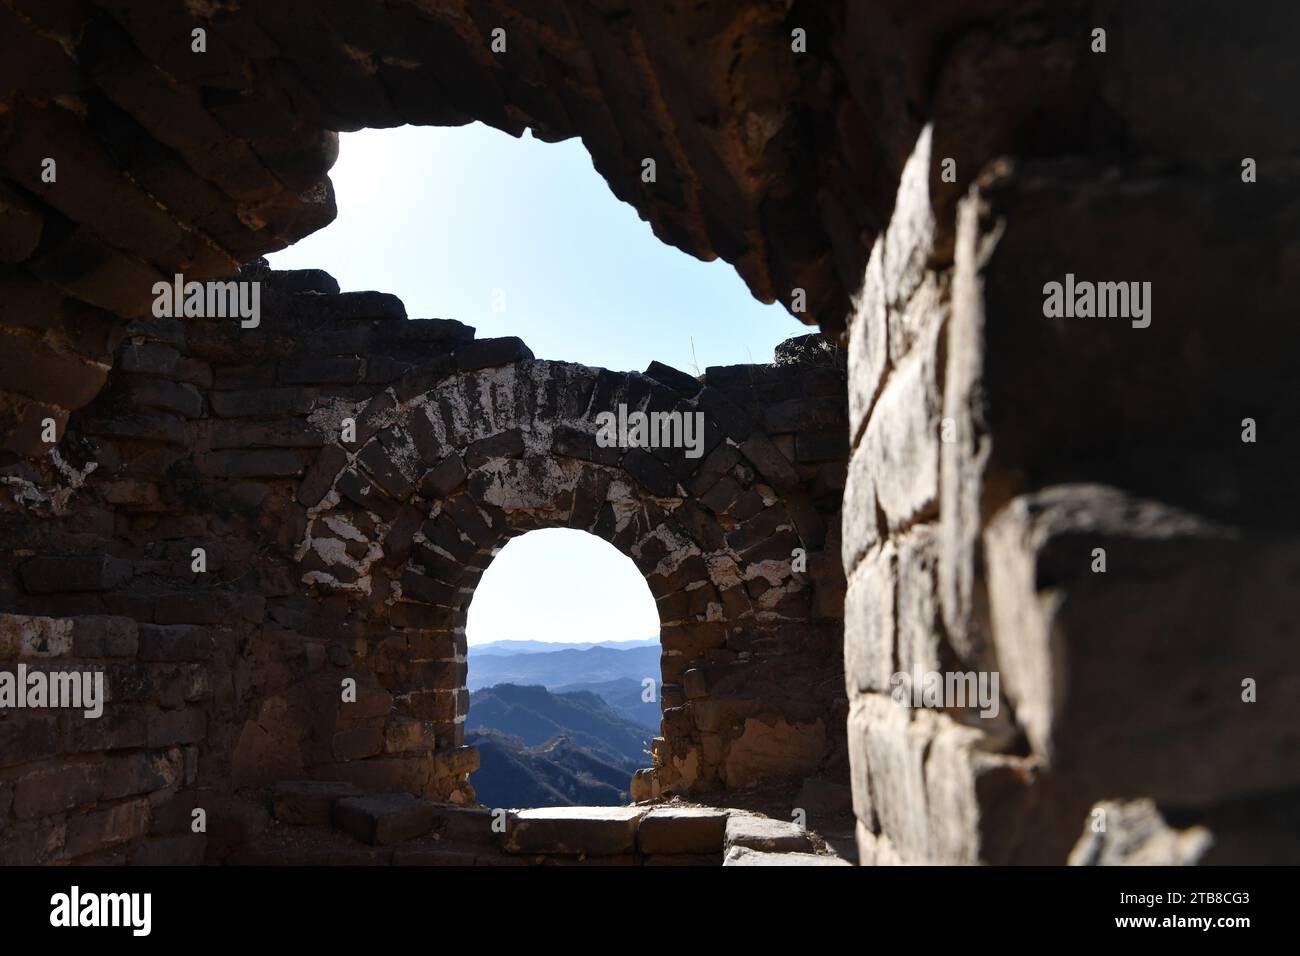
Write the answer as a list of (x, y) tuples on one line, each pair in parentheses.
[(407, 516), (564, 677)]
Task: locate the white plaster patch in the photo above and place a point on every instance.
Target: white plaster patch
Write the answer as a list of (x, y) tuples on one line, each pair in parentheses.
[(773, 572), (329, 413), (723, 570), (343, 528)]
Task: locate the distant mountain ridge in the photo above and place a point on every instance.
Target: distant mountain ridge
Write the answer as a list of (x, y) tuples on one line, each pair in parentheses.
[(539, 749), (556, 668), (493, 648), (557, 774), (535, 715), (625, 695)]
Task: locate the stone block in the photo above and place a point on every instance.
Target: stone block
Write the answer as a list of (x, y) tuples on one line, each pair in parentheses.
[(744, 856), (355, 743), (175, 642), (51, 574), (251, 463), (127, 775), (506, 444), (261, 403), (774, 748), (1107, 671), (167, 727), (308, 802), (35, 637), (756, 832), (320, 477), (25, 737), (869, 622), (573, 831), (383, 819), (769, 461), (902, 436), (55, 789), (444, 477), (105, 636), (105, 828), (486, 353), (803, 415), (675, 830), (686, 384)]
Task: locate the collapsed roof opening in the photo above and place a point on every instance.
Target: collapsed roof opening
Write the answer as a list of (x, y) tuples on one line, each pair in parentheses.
[(519, 237)]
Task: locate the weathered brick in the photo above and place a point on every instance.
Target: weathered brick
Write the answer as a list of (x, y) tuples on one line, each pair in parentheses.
[(51, 574), (136, 773), (104, 636), (687, 385), (286, 433), (320, 477), (56, 789), (444, 477), (168, 727), (167, 396), (261, 403), (507, 444), (251, 463), (650, 471), (340, 370), (385, 819), (94, 831), (308, 802), (25, 737), (769, 461), (486, 353), (175, 642)]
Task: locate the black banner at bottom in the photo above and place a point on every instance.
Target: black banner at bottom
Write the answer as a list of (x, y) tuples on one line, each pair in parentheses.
[(918, 905)]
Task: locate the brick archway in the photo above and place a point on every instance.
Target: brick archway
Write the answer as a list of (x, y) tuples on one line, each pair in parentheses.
[(406, 518)]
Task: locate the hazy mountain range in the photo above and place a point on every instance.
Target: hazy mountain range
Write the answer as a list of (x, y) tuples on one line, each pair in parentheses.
[(625, 695), (557, 774), (557, 668), (561, 724), (535, 715), (538, 749), (544, 647)]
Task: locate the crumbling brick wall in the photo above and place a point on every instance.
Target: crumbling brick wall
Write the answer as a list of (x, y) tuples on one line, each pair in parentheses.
[(995, 448), (330, 555)]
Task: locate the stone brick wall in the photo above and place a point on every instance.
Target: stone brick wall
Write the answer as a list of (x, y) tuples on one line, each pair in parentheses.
[(1072, 503), (331, 557), (995, 449)]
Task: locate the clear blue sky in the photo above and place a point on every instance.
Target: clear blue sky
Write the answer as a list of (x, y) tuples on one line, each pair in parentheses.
[(557, 584), (445, 216)]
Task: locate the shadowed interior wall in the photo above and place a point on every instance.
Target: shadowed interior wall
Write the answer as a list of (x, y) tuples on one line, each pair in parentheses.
[(333, 556), (922, 174)]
